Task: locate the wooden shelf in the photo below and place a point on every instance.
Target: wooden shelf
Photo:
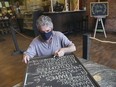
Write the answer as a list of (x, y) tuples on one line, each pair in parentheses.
[(28, 20)]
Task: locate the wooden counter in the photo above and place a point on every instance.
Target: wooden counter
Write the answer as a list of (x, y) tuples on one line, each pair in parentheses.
[(66, 21)]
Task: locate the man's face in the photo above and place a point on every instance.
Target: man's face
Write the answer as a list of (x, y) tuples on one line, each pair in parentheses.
[(45, 32), (45, 29)]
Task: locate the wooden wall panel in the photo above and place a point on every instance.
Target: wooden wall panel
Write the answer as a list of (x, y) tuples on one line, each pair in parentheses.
[(91, 20), (111, 19)]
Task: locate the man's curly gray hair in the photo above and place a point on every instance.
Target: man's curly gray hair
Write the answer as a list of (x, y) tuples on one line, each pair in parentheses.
[(44, 21)]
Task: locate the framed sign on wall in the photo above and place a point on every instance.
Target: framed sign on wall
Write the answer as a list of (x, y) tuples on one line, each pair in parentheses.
[(99, 9)]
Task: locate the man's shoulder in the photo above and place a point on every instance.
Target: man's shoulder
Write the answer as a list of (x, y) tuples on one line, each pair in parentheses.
[(36, 39), (57, 33)]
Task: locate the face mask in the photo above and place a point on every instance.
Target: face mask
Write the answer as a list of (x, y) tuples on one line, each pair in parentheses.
[(46, 36)]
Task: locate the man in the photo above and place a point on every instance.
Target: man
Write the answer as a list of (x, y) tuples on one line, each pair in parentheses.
[(49, 42)]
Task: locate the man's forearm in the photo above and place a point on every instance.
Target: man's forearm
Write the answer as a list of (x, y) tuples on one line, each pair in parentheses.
[(69, 49)]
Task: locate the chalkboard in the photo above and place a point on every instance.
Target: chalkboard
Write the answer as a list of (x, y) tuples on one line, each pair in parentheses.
[(99, 9), (66, 71)]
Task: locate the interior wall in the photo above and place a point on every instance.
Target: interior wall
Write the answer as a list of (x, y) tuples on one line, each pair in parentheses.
[(91, 20), (32, 4), (110, 23)]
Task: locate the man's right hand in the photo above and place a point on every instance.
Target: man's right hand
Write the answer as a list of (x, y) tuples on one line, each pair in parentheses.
[(25, 58)]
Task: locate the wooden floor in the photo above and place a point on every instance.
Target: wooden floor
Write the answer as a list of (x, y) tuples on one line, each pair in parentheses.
[(12, 69)]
